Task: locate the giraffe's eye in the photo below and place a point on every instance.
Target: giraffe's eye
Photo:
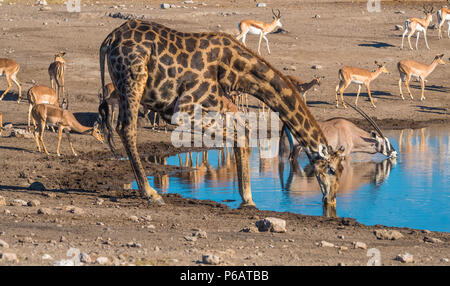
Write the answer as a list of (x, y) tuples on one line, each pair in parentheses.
[(331, 171)]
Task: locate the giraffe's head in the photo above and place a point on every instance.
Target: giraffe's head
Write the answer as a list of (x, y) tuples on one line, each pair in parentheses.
[(277, 18), (328, 169)]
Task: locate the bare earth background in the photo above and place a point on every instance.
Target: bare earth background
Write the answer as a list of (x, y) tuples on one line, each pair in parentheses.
[(341, 34)]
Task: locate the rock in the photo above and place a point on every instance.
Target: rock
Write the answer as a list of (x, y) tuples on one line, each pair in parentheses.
[(290, 68), (47, 257), (19, 203), (387, 234), (340, 236), (102, 260), (343, 248), (444, 260), (3, 244), (34, 203), (133, 244), (317, 16), (21, 133), (261, 5), (7, 126), (271, 223), (134, 218), (45, 211), (432, 240), (62, 238), (359, 244), (2, 201), (426, 231), (398, 27), (64, 262), (249, 229), (75, 210), (211, 259), (99, 201), (47, 8), (165, 6), (405, 258), (8, 257), (400, 12), (324, 243), (188, 2), (200, 234), (85, 258), (190, 238), (37, 186), (316, 67)]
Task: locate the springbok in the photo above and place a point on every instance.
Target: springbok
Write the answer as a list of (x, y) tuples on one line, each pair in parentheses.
[(443, 15), (418, 25), (254, 27), (341, 132), (65, 120), (347, 75), (10, 68), (302, 86), (56, 73), (409, 68)]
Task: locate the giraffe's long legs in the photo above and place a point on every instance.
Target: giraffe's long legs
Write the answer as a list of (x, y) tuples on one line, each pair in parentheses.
[(127, 130)]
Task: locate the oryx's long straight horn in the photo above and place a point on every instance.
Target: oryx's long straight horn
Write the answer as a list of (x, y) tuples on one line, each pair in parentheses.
[(367, 117)]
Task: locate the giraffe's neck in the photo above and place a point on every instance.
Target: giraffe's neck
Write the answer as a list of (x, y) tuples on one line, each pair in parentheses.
[(257, 77)]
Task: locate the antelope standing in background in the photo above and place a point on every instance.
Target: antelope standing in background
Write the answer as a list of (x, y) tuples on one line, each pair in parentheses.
[(254, 27), (443, 15), (347, 75), (302, 86), (418, 25), (9, 68), (65, 120), (56, 73), (409, 68)]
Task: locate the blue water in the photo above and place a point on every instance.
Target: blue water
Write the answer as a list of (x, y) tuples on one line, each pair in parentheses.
[(412, 191)]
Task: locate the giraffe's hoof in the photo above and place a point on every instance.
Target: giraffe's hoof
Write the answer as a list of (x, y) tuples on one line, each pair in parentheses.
[(247, 206), (156, 202)]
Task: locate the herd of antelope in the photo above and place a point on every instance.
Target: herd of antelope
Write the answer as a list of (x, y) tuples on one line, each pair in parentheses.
[(48, 106)]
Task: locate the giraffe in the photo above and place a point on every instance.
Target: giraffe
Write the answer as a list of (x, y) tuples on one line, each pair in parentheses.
[(172, 71)]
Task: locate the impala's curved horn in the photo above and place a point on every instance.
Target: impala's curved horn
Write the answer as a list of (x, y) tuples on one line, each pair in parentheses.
[(279, 14)]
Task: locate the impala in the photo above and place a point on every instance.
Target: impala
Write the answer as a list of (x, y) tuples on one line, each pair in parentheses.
[(56, 73), (10, 68), (302, 86), (341, 132), (409, 68), (40, 94), (111, 96), (347, 75), (418, 25), (255, 27), (65, 120), (443, 15)]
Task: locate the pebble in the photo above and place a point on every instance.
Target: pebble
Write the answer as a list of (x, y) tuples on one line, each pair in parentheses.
[(165, 6), (18, 203), (37, 186), (324, 243), (211, 259), (190, 238), (102, 260), (45, 211), (188, 2), (359, 244), (398, 27), (34, 203), (249, 229), (316, 67), (3, 244), (99, 201), (8, 257), (290, 68), (2, 201), (444, 260), (75, 210), (85, 258), (432, 240), (405, 258), (261, 5), (387, 234), (271, 223), (317, 16), (133, 218), (47, 257), (200, 234)]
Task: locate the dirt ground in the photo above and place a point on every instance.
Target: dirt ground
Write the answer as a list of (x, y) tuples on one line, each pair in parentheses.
[(84, 202)]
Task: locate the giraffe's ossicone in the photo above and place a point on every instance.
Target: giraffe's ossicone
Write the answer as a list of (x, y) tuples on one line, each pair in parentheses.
[(169, 71)]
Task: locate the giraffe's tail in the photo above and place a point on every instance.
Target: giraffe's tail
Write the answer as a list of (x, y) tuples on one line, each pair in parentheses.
[(103, 109)]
